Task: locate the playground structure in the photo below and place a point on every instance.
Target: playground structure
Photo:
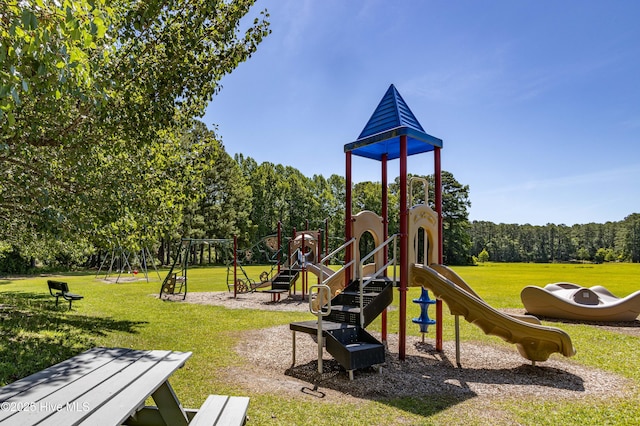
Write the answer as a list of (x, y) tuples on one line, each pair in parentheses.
[(346, 301), (281, 277), (344, 306), (121, 260), (571, 301), (304, 250)]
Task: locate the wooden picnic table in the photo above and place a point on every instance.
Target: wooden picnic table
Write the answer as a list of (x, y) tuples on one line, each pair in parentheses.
[(109, 386)]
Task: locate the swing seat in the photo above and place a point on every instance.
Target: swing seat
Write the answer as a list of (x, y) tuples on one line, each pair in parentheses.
[(169, 286)]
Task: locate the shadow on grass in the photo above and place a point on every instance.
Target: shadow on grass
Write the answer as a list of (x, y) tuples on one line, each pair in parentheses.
[(429, 382), (609, 324), (36, 334), (631, 328)]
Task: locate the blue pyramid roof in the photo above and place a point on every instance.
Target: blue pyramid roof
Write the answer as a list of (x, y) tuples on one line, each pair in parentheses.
[(390, 120)]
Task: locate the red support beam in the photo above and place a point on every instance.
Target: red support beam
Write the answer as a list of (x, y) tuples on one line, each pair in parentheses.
[(326, 238), (385, 232), (279, 245), (348, 234), (404, 266), (235, 265), (438, 207)]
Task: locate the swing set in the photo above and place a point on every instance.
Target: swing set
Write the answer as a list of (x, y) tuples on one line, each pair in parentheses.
[(121, 260), (192, 249)]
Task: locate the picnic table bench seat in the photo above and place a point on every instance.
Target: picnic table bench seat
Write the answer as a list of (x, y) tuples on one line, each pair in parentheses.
[(221, 410)]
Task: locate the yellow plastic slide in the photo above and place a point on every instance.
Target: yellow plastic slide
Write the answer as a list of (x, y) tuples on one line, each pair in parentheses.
[(535, 342)]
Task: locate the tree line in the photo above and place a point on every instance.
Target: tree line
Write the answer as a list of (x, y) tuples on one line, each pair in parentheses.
[(226, 196), (593, 242)]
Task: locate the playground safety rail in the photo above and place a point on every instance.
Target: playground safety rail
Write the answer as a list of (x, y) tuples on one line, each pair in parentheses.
[(351, 243), (320, 313), (375, 275)]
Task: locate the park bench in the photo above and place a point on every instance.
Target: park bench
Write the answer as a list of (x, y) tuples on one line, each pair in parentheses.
[(61, 289), (110, 386)]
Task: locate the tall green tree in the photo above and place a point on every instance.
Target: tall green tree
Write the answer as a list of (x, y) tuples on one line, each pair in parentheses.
[(367, 196), (227, 200), (269, 189), (223, 209), (455, 220), (303, 207), (336, 209), (95, 96)]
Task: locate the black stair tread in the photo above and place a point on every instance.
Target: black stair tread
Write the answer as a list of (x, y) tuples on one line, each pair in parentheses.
[(362, 346), (312, 326), (357, 293), (373, 281), (345, 308)]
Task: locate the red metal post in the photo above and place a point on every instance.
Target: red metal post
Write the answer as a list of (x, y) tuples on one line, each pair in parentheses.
[(385, 232), (235, 264), (319, 250), (279, 245), (438, 207), (348, 234), (404, 266), (326, 237), (303, 267), (290, 242)]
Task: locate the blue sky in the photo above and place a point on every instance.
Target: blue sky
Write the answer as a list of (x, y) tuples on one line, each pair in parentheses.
[(537, 102)]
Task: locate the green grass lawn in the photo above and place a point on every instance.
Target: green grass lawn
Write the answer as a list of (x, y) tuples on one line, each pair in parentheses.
[(36, 335)]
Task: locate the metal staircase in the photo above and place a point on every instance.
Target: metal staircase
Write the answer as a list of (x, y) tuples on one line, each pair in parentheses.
[(342, 324), (284, 279), (282, 283), (343, 329), (376, 295)]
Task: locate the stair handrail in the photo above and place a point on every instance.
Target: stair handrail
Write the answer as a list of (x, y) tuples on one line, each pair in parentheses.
[(293, 259), (375, 275), (322, 311), (332, 254)]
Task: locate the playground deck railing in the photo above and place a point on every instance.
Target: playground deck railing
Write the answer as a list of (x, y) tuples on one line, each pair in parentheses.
[(331, 255), (376, 274)]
